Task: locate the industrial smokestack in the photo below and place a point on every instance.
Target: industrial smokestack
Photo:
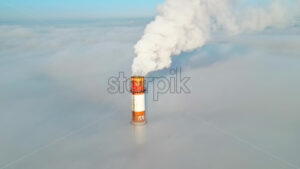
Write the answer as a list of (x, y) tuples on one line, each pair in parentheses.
[(138, 100)]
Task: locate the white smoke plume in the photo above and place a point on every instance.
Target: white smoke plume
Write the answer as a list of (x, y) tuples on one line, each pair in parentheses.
[(184, 25)]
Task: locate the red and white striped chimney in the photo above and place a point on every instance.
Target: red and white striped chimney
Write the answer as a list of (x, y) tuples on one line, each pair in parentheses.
[(138, 100)]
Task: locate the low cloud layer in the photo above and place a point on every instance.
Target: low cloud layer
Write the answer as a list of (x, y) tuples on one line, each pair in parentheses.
[(56, 113)]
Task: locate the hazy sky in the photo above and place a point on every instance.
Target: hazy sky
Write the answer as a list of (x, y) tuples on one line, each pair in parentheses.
[(77, 8), (74, 9)]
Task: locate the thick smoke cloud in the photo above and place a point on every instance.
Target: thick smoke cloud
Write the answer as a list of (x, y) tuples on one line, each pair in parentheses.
[(183, 26)]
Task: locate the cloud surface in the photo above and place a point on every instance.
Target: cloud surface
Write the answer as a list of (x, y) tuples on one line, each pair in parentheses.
[(242, 112)]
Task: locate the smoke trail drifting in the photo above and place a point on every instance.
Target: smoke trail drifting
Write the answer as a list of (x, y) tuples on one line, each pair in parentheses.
[(183, 25)]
